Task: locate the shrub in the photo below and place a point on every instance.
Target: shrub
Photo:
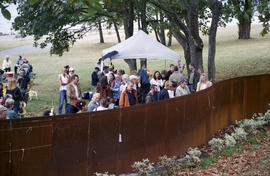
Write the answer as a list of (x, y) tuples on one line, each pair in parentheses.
[(216, 144), (239, 134), (167, 162), (193, 155), (267, 115), (103, 174), (143, 167), (229, 141)]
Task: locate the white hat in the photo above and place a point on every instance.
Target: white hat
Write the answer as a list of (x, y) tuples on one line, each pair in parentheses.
[(71, 69), (131, 77)]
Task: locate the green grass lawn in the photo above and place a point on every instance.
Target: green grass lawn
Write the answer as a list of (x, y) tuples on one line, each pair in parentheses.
[(233, 58)]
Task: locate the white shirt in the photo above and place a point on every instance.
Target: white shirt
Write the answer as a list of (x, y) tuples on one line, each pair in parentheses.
[(171, 93), (6, 64), (123, 87), (101, 108), (76, 90), (64, 80), (181, 91), (159, 83), (202, 86)]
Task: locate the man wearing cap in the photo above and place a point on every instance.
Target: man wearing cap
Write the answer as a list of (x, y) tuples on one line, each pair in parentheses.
[(63, 80), (94, 78), (71, 72), (182, 89)]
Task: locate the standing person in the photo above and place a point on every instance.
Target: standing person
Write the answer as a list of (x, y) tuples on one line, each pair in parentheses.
[(115, 88), (94, 78), (176, 76), (24, 84), (193, 78), (129, 96), (157, 80), (11, 114), (63, 80), (71, 72), (6, 64), (170, 72), (145, 82), (19, 62), (203, 83), (15, 92), (163, 75), (103, 88), (182, 89), (164, 94), (125, 79), (73, 95), (92, 106), (104, 72), (152, 96)]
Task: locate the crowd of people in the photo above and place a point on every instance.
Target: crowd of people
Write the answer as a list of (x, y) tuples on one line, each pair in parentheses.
[(14, 96), (115, 89)]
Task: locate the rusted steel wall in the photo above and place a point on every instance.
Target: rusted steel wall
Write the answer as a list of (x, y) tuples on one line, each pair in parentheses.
[(81, 144)]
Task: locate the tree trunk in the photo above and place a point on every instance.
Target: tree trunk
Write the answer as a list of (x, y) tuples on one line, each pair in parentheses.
[(162, 30), (244, 19), (244, 28), (101, 39), (215, 9), (195, 42), (117, 32), (144, 27), (169, 38), (156, 34), (129, 28)]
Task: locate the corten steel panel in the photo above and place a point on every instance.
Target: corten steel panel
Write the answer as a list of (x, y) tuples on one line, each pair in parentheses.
[(5, 135), (253, 88), (5, 165), (31, 132), (32, 146), (103, 141), (220, 106), (236, 103), (175, 126), (264, 92), (155, 133), (132, 128), (32, 162), (70, 140)]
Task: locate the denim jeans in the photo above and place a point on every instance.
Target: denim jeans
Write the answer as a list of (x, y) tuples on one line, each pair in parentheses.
[(71, 109), (62, 97), (191, 88)]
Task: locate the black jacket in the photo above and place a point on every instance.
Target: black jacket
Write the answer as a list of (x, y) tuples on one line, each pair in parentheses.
[(163, 94)]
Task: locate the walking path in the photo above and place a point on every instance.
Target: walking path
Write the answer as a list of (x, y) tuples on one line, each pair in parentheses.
[(26, 49)]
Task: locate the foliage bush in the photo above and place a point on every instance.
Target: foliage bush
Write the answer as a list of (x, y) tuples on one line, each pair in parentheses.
[(168, 163), (239, 134), (194, 155), (216, 144), (104, 174), (229, 140), (143, 167)]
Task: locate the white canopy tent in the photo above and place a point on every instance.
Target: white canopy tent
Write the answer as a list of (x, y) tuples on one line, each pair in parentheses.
[(142, 45)]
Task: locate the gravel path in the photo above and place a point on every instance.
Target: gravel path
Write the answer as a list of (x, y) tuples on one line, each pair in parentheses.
[(27, 49)]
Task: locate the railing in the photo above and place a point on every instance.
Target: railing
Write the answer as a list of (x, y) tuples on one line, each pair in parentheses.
[(81, 144)]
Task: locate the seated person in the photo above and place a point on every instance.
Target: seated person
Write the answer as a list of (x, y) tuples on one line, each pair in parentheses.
[(152, 96), (102, 105), (92, 106), (3, 112), (182, 89), (10, 112), (203, 83), (164, 94), (81, 106)]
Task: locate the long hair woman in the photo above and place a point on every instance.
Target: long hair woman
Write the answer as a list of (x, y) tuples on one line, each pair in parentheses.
[(157, 80), (14, 90)]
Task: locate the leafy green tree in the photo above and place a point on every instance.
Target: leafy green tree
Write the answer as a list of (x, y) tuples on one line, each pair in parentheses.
[(3, 7), (264, 16)]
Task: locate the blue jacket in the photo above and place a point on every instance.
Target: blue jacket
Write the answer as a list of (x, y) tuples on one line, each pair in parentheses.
[(94, 79), (116, 90), (144, 76), (163, 94)]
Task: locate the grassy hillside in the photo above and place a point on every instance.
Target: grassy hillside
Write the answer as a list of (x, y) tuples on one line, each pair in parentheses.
[(233, 58)]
